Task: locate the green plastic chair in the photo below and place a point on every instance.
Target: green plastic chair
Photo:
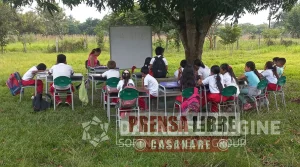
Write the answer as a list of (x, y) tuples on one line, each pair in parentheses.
[(280, 84), (62, 81), (127, 94), (262, 86), (228, 92), (111, 84), (186, 93)]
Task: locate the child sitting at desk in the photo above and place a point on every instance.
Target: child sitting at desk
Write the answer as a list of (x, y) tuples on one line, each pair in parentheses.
[(93, 58), (125, 81), (229, 77), (252, 75), (58, 70), (111, 73), (280, 66), (180, 69), (216, 85), (27, 79), (271, 75)]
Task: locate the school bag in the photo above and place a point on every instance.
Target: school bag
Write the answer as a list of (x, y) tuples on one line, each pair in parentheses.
[(39, 104), (129, 103), (83, 96), (14, 83), (159, 67), (192, 104)]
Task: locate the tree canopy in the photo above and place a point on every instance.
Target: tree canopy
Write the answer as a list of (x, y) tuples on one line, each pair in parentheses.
[(192, 18)]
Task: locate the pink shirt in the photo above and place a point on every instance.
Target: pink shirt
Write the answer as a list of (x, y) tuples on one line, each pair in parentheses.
[(92, 57)]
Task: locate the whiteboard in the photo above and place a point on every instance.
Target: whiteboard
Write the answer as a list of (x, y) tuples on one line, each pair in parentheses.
[(130, 45)]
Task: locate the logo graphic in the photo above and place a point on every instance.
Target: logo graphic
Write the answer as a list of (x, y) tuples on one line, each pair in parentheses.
[(223, 145), (96, 138), (140, 145)]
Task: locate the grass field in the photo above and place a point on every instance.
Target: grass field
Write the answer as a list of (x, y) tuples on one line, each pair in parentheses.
[(53, 138)]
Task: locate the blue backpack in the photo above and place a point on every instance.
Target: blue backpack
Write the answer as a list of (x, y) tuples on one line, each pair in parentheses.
[(14, 83)]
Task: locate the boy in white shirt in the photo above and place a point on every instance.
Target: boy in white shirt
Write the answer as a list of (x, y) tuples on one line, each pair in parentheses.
[(112, 72), (158, 69), (58, 70), (149, 82), (27, 79)]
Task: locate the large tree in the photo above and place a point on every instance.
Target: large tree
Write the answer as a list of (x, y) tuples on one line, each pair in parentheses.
[(7, 22), (192, 18)]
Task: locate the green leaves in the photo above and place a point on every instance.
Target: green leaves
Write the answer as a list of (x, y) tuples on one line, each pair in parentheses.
[(229, 34)]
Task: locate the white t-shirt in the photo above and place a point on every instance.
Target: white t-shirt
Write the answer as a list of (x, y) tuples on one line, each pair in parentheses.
[(164, 59), (121, 83), (229, 81), (29, 75), (177, 72), (61, 69), (204, 72), (111, 73), (270, 76), (152, 85), (212, 82)]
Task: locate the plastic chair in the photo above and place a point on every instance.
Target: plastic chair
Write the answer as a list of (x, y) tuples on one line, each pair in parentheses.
[(229, 91), (279, 90), (23, 87), (62, 81), (186, 93), (262, 86), (111, 91), (127, 94)]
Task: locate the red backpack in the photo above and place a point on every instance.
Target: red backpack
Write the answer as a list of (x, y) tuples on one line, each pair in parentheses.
[(14, 83), (192, 104)]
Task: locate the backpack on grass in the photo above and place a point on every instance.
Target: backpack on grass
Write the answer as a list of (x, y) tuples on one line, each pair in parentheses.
[(14, 83), (159, 67), (39, 104)]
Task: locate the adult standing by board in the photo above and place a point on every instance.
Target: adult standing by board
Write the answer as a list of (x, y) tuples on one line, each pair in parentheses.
[(93, 58), (159, 64)]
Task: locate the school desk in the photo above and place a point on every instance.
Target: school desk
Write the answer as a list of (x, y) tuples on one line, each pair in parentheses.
[(95, 78), (168, 89)]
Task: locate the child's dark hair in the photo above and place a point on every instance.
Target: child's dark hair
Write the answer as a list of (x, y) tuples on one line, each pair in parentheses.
[(147, 62), (159, 51), (95, 50), (215, 69), (145, 70), (229, 69), (251, 65), (188, 77), (275, 59), (61, 58), (126, 77), (199, 63), (111, 64), (41, 66), (270, 65), (183, 63), (282, 61)]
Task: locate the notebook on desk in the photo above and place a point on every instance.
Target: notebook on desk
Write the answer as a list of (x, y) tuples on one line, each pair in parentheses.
[(170, 85)]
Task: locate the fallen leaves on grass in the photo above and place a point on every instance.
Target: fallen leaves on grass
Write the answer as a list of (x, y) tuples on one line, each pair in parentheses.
[(165, 165), (277, 141)]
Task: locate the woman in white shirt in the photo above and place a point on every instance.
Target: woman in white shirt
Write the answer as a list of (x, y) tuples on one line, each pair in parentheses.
[(216, 85), (229, 77)]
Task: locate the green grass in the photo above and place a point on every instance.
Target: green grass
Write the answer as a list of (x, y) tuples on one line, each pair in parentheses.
[(53, 138)]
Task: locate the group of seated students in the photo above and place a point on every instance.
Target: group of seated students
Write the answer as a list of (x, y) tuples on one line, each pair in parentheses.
[(214, 79), (218, 77)]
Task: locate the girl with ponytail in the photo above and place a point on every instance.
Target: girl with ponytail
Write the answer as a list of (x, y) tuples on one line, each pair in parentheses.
[(92, 59), (125, 81), (271, 75), (252, 76), (229, 77), (216, 85)]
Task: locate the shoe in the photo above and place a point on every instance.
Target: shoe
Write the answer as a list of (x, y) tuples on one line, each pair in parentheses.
[(32, 97), (247, 106), (58, 103), (68, 103)]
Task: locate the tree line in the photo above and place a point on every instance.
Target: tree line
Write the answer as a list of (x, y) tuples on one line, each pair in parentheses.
[(184, 22)]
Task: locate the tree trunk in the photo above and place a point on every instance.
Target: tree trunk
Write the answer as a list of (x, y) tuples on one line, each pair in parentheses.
[(24, 47), (167, 43), (215, 42), (2, 49), (193, 31)]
